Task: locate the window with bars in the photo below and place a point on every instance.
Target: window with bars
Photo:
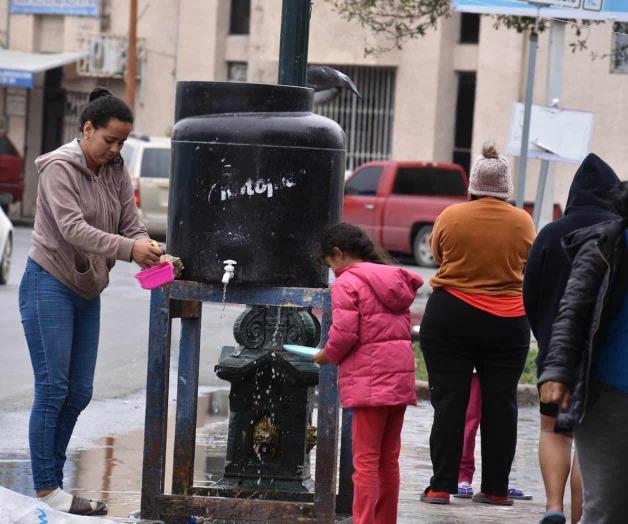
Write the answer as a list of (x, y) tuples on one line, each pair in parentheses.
[(367, 122), (75, 101)]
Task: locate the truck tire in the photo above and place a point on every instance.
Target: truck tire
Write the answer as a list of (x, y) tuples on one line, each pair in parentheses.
[(421, 248), (5, 261)]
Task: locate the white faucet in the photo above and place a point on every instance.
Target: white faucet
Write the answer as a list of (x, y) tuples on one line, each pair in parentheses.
[(229, 271)]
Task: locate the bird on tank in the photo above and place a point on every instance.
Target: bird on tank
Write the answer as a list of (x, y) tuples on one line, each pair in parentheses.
[(327, 83)]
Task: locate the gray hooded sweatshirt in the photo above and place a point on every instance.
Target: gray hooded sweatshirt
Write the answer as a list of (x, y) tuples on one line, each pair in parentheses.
[(84, 222)]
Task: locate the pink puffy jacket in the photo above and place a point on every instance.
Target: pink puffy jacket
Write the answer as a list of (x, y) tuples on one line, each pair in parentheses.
[(370, 334)]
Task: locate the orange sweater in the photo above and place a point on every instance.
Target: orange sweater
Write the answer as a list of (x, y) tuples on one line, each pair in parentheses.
[(482, 247)]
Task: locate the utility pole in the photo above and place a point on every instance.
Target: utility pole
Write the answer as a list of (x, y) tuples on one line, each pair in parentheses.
[(131, 68), (295, 34), (527, 112)]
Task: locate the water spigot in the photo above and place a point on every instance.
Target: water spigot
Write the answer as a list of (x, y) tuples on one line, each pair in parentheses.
[(229, 271)]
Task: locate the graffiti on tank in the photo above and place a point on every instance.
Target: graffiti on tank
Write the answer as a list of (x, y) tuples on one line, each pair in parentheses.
[(261, 187)]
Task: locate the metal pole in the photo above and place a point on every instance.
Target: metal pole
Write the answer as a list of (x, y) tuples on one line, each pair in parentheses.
[(131, 70), (527, 113), (544, 202), (540, 188), (295, 34)]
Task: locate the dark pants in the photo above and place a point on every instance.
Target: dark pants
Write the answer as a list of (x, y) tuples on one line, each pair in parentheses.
[(61, 330), (455, 338), (603, 456)]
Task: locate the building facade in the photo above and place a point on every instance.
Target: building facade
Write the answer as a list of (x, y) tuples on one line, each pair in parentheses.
[(437, 99)]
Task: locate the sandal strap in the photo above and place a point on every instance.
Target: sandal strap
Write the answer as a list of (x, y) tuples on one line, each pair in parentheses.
[(81, 506)]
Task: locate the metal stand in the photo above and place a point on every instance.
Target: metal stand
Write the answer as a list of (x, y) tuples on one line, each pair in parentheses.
[(184, 299)]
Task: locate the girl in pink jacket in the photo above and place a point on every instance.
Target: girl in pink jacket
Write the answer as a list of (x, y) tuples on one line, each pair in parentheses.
[(370, 342)]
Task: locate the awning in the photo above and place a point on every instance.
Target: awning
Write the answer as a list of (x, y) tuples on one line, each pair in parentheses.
[(17, 68)]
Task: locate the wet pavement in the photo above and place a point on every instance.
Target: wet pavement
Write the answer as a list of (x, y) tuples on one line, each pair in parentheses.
[(106, 449), (110, 468)]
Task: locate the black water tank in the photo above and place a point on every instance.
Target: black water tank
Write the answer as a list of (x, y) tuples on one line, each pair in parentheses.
[(256, 177)]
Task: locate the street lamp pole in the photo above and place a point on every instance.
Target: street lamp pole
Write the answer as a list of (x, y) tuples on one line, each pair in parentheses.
[(295, 33)]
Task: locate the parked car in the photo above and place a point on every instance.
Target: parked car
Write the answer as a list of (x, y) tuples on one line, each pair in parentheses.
[(148, 161), (11, 181), (6, 246), (398, 202)]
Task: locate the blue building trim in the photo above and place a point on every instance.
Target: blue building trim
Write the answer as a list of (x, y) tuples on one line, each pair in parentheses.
[(14, 78), (56, 7)]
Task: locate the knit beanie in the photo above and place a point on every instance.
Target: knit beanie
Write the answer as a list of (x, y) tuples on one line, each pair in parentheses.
[(490, 175)]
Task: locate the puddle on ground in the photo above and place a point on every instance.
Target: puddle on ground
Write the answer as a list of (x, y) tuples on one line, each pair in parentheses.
[(113, 471)]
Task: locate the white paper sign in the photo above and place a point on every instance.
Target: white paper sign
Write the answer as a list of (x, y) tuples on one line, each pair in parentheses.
[(560, 135)]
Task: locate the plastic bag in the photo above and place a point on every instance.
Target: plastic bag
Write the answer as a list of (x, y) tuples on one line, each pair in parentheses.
[(19, 509)]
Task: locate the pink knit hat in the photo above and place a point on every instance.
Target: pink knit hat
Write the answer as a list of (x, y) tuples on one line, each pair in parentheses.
[(490, 175)]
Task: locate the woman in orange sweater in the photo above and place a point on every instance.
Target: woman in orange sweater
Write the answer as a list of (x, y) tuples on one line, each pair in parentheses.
[(475, 319)]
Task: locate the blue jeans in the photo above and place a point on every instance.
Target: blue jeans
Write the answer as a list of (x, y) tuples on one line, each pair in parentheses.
[(61, 331)]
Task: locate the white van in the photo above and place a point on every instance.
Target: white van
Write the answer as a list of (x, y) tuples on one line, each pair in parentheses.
[(148, 161)]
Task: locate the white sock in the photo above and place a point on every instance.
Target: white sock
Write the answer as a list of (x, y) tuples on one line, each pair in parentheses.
[(58, 499), (62, 501)]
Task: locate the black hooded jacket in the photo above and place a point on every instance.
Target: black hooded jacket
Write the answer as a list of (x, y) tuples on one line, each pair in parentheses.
[(548, 266), (593, 296)]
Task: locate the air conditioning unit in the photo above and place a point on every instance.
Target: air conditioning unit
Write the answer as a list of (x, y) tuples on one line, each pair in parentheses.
[(107, 56)]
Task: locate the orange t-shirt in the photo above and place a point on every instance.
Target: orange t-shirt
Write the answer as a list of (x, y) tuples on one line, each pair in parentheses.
[(482, 247)]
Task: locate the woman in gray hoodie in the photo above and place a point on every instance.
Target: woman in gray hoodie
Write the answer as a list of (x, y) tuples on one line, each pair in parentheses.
[(86, 219)]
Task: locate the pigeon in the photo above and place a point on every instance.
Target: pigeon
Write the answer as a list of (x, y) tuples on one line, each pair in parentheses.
[(327, 83)]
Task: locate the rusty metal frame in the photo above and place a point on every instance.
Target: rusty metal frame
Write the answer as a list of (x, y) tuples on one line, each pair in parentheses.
[(183, 299)]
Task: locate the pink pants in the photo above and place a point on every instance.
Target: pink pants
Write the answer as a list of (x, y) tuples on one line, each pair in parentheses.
[(376, 445), (472, 422)]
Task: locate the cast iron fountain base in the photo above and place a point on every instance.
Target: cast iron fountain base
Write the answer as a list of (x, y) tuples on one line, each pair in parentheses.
[(271, 402)]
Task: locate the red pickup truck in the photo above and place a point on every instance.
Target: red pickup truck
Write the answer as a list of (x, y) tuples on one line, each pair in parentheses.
[(398, 202)]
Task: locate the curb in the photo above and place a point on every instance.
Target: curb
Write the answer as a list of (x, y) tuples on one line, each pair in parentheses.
[(527, 394)]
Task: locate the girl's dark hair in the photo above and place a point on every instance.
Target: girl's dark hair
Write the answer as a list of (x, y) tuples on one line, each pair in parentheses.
[(618, 199), (354, 241), (102, 107)]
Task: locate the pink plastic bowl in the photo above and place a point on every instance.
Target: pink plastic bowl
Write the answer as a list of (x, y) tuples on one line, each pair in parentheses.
[(156, 276)]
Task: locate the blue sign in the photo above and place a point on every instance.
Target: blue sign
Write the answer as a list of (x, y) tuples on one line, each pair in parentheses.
[(56, 7), (612, 10), (14, 78)]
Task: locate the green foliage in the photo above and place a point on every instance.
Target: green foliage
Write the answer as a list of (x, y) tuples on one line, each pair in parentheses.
[(402, 20)]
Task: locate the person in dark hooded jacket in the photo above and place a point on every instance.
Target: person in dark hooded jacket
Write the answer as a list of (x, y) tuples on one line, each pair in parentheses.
[(546, 274), (586, 367)]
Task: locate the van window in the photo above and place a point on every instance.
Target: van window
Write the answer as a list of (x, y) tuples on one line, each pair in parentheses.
[(431, 181), (155, 163), (365, 181), (127, 155)]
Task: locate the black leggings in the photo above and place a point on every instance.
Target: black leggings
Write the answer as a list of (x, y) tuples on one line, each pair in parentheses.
[(455, 338)]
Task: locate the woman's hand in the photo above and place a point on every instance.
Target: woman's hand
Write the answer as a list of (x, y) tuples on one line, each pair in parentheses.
[(320, 358), (145, 253), (555, 393)]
